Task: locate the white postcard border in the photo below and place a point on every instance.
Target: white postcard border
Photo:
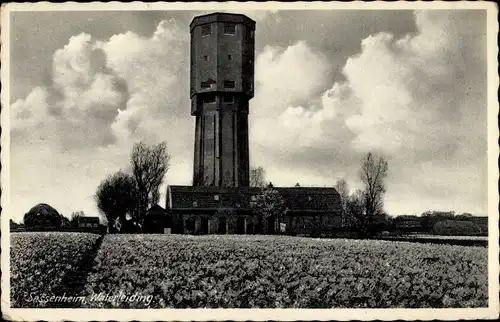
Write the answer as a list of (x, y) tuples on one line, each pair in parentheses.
[(259, 314)]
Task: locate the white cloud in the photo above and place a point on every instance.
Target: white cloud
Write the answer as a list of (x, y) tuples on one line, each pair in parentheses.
[(288, 76), (30, 112), (154, 69), (284, 78)]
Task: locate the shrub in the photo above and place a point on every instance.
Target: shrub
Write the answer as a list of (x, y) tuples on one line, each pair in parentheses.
[(286, 272), (40, 261), (456, 228), (42, 216)]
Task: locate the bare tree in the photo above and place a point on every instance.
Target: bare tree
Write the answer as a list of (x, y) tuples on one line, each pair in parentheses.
[(258, 177), (343, 190), (116, 197), (373, 173), (269, 206), (355, 212), (75, 217), (149, 166)]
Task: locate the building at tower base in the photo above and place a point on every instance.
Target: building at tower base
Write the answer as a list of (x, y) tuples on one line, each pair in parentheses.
[(222, 210)]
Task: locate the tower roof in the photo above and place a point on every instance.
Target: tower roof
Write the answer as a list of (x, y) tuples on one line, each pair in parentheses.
[(222, 17)]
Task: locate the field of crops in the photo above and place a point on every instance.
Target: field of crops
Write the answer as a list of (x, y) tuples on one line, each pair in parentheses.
[(286, 272), (39, 262)]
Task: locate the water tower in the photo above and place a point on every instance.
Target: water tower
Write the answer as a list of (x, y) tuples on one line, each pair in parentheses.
[(222, 84)]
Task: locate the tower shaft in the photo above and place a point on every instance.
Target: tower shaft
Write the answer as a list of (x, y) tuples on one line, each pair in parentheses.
[(221, 142)]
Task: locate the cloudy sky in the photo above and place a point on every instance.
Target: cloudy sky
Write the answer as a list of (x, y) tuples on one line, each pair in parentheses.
[(330, 86)]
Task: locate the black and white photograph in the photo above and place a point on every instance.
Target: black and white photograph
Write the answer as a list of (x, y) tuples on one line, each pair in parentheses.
[(249, 161)]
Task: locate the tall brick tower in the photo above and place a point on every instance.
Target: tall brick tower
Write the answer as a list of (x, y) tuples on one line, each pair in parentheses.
[(222, 77)]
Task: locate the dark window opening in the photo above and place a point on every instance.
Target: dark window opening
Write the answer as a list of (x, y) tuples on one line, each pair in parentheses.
[(205, 58), (207, 84), (228, 99), (221, 229), (204, 225), (271, 222), (228, 84), (229, 28), (206, 30), (250, 228), (209, 99), (240, 226), (190, 224), (229, 57)]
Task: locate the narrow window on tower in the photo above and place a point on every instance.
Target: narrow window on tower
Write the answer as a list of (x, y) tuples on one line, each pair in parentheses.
[(228, 84), (229, 28), (249, 34), (205, 58), (206, 30), (229, 57)]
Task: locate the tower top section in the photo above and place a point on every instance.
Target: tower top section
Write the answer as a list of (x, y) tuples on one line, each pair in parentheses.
[(235, 18), (222, 56)]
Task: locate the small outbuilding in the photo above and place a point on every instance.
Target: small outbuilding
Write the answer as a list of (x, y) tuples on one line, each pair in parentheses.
[(157, 221)]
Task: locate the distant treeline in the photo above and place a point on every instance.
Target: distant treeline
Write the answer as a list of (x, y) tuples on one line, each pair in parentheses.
[(437, 223)]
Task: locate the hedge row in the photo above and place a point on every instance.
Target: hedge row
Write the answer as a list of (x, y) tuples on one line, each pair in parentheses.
[(458, 228)]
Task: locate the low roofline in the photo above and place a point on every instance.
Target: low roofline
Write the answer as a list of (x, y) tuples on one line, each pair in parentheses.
[(209, 209), (213, 188), (94, 218), (250, 209)]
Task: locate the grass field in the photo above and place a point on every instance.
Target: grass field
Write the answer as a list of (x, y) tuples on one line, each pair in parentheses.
[(285, 272)]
